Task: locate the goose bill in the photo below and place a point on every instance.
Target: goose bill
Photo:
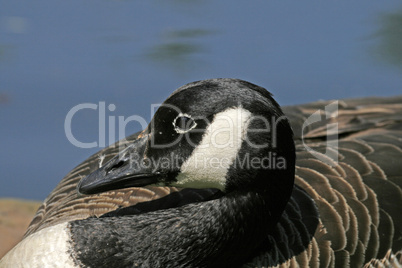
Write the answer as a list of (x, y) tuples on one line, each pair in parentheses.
[(127, 169)]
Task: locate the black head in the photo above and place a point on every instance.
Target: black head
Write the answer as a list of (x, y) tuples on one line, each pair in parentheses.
[(219, 133)]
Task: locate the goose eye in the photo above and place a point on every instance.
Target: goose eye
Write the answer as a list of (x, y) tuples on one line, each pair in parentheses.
[(183, 123)]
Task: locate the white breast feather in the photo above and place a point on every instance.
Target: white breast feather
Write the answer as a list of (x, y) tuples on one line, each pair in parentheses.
[(48, 247)]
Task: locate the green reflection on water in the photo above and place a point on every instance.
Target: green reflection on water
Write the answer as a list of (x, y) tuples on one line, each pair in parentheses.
[(4, 98), (174, 51), (178, 49), (2, 52), (5, 52), (390, 36), (188, 33)]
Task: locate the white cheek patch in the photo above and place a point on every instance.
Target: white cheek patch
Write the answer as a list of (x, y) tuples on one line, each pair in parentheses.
[(210, 161)]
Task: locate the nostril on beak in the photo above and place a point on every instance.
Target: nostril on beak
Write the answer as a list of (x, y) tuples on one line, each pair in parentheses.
[(116, 166)]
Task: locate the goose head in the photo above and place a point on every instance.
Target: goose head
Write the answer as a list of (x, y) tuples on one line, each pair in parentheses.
[(227, 134)]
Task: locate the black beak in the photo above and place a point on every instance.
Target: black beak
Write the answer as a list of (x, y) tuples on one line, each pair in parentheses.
[(127, 169)]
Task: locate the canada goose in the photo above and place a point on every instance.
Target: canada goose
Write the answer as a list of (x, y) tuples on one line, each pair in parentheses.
[(344, 209)]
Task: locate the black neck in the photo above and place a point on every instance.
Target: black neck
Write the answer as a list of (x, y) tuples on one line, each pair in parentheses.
[(221, 232)]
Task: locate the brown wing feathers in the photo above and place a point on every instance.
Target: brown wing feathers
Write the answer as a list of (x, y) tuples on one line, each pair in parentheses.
[(360, 198)]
